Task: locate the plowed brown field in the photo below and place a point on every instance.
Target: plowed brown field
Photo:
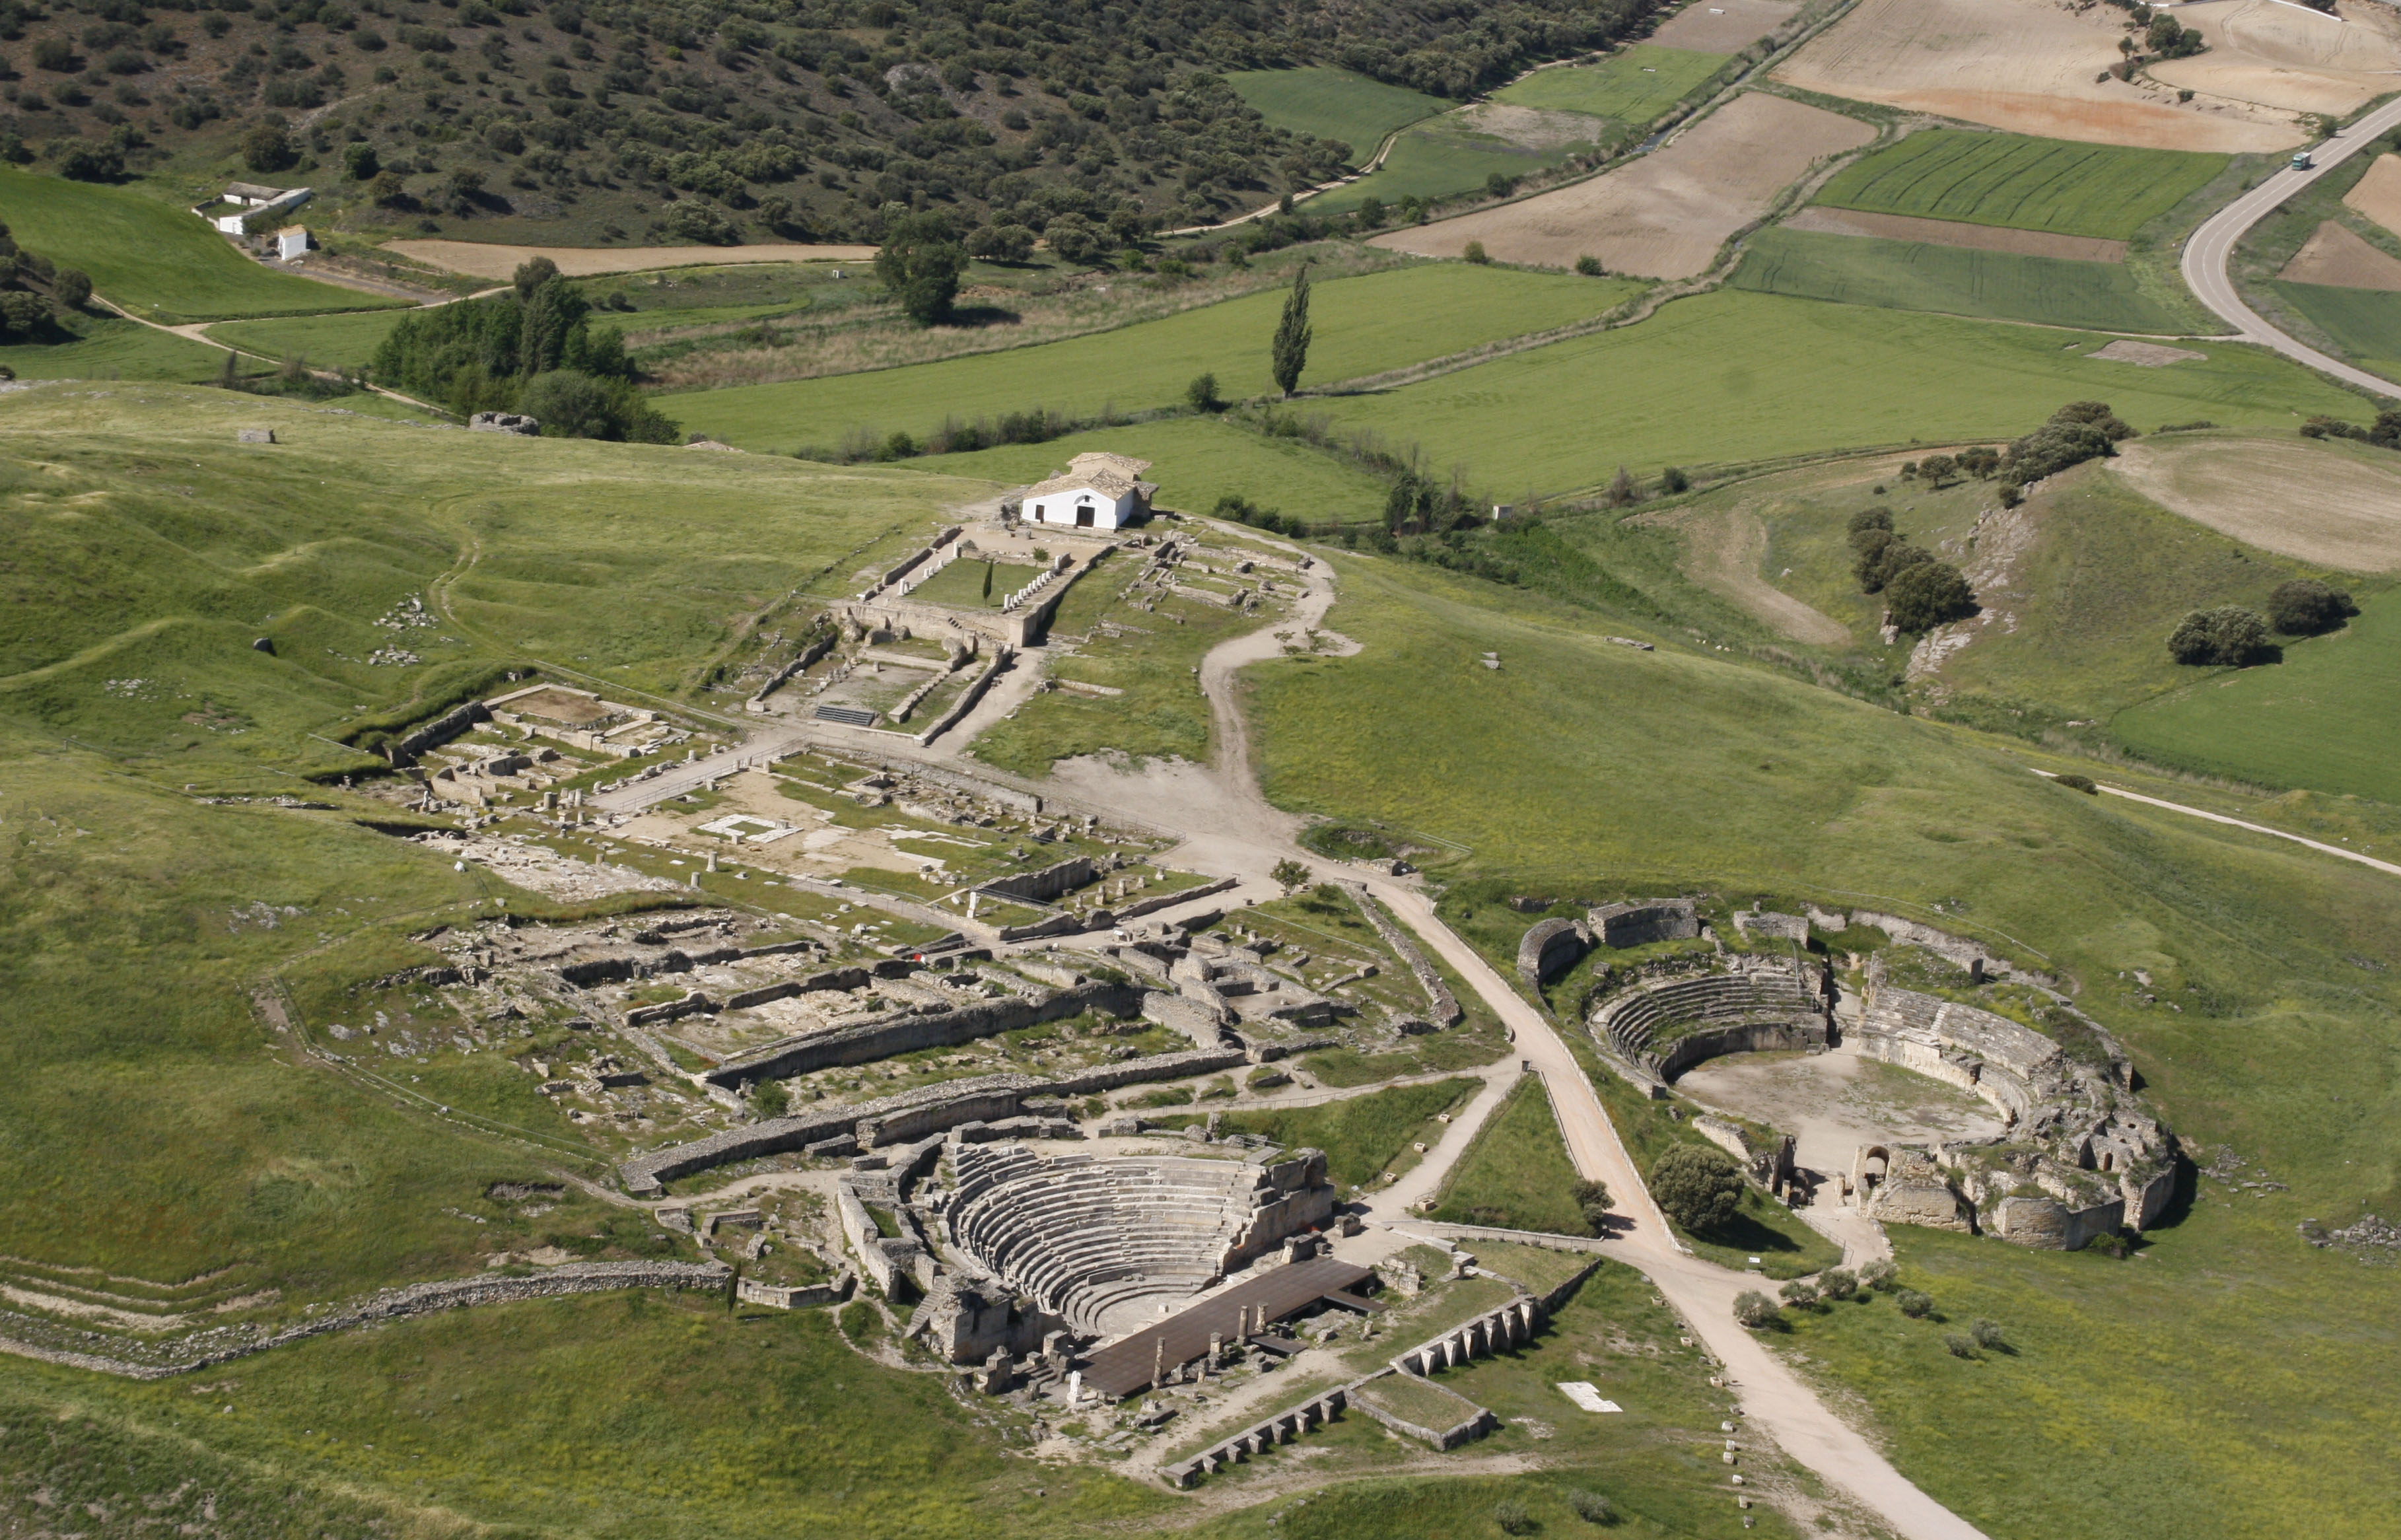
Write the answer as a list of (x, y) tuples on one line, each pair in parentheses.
[(2282, 56), (2379, 193), (2335, 255), (1721, 26), (1666, 215), (2351, 519), (2025, 65)]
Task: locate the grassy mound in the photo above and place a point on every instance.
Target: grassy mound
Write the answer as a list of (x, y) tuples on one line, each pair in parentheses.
[(2026, 184)]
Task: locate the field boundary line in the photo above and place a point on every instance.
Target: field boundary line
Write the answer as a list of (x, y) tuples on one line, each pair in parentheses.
[(2239, 823)]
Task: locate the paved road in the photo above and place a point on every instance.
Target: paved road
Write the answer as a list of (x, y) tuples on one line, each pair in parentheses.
[(2205, 255)]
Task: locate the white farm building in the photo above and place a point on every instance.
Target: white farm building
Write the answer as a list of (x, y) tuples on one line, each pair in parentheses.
[(1096, 491)]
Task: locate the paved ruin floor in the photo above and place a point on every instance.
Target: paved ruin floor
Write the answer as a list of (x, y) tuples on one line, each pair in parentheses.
[(1834, 1101)]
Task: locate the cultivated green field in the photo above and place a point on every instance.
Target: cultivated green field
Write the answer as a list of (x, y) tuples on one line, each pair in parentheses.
[(2364, 323), (1915, 275), (1443, 158), (152, 258), (1731, 378), (1333, 103), (2026, 184), (1364, 325), (1634, 86), (110, 348), (2322, 719), (1718, 777), (1196, 460), (326, 341)]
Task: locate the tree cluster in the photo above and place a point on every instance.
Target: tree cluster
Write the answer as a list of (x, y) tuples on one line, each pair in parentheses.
[(531, 349), (2078, 431), (2384, 432), (2305, 606), (1920, 590), (2227, 636), (34, 294), (1697, 1186), (1241, 510)]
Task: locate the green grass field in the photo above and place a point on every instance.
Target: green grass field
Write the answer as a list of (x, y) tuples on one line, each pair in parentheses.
[(1362, 1137), (1334, 103), (1195, 460), (2321, 719), (152, 258), (112, 349), (1718, 777), (1731, 378), (2026, 184), (2366, 323), (1911, 275), (1517, 1175), (1634, 86), (1364, 325), (327, 341), (1440, 159)]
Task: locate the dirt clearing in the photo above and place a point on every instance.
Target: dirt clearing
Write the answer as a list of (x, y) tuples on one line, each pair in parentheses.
[(1837, 1101), (478, 260), (1666, 215), (2350, 518), (2279, 55), (2379, 193), (2338, 256), (1723, 552), (2149, 355), (1951, 232), (2025, 65), (1725, 27)]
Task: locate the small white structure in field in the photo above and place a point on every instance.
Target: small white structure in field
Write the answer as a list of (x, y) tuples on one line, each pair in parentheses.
[(1096, 491), (290, 242), (257, 203)]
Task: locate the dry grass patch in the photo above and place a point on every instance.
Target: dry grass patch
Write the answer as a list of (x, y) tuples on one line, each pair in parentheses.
[(2320, 505), (477, 259), (2025, 65), (2377, 194), (1726, 28), (2278, 55), (2336, 256), (1666, 215), (1725, 551), (1952, 232)]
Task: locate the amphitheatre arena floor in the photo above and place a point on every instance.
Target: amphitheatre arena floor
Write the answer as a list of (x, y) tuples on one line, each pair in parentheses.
[(2277, 55), (2377, 194), (2335, 254), (1666, 214), (1823, 220), (1727, 27), (2024, 65), (1834, 1101), (2245, 488)]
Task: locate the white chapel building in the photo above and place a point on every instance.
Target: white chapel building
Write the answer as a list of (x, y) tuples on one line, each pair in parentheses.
[(1096, 491)]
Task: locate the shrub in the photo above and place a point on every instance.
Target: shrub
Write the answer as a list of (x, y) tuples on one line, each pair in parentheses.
[(91, 163), (1914, 1304), (1590, 1506), (267, 148), (1201, 395), (1697, 1186), (920, 262), (2227, 636), (1868, 519), (1511, 1515), (1925, 594), (1000, 243), (360, 162), (1673, 480), (1879, 1275), (698, 222), (1938, 469), (1073, 239), (572, 403), (2331, 427), (1958, 1345), (1756, 1310), (1589, 265), (1499, 185), (1838, 1283), (1988, 1334), (1592, 1201), (2303, 607), (1800, 1294), (2080, 783), (1475, 253), (71, 287), (1980, 462), (54, 54), (769, 1098)]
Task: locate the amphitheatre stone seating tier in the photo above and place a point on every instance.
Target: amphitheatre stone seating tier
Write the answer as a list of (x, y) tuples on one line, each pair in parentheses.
[(1104, 1242), (1649, 1027), (2078, 1135)]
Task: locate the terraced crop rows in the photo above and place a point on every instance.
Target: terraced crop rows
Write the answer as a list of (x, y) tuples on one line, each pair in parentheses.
[(2026, 184)]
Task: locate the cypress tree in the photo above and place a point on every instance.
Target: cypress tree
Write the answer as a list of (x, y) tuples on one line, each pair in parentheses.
[(1291, 348)]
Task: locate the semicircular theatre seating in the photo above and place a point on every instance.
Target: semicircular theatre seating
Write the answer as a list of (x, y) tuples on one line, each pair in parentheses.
[(1094, 1239), (1628, 1022)]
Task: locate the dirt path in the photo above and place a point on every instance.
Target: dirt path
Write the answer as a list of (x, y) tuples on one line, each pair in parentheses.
[(1723, 552)]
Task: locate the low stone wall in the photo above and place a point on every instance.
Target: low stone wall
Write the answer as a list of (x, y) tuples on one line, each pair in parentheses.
[(1549, 946), (1158, 901), (750, 1291), (224, 1345), (951, 780), (1474, 1422), (809, 655), (1653, 920), (442, 729), (1158, 1066), (905, 1034), (1045, 885), (1743, 1038), (1503, 1327), (1440, 1003), (966, 702), (1280, 1427)]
